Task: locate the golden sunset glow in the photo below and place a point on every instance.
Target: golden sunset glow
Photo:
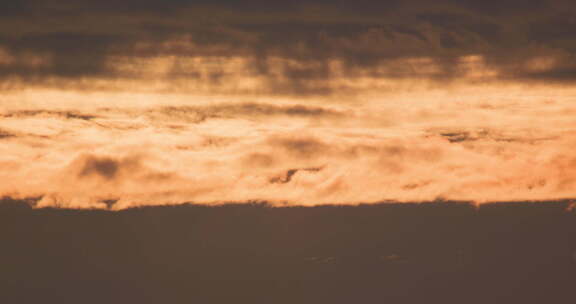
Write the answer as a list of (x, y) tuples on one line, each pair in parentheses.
[(296, 103), (288, 152), (418, 142)]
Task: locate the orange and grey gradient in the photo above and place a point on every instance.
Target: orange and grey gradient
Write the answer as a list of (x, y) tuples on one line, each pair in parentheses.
[(304, 103)]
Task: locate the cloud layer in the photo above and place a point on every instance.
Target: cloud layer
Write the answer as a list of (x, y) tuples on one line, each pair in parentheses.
[(298, 102), (293, 47), (80, 149)]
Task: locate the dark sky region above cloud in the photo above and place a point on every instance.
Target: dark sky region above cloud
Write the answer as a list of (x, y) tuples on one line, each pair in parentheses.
[(69, 39)]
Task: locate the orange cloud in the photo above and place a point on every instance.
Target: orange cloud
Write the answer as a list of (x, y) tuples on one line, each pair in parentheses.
[(491, 143)]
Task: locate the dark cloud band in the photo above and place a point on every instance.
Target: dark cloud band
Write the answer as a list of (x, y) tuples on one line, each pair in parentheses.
[(81, 39)]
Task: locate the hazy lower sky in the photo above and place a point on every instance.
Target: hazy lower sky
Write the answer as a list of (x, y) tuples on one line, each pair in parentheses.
[(296, 102)]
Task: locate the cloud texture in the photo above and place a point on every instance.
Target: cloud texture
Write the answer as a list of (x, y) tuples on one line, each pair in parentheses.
[(295, 47), (299, 102), (83, 150)]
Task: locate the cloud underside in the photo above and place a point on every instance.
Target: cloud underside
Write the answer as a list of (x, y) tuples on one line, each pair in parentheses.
[(297, 47)]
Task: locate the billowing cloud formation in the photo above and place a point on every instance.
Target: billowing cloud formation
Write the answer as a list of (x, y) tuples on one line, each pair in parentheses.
[(81, 149)]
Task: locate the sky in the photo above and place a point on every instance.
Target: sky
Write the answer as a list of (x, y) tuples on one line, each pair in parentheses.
[(292, 102)]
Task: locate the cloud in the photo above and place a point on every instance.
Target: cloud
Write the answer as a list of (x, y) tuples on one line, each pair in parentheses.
[(363, 36), (244, 110), (103, 167), (6, 134), (49, 113), (567, 74), (296, 102), (460, 146)]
